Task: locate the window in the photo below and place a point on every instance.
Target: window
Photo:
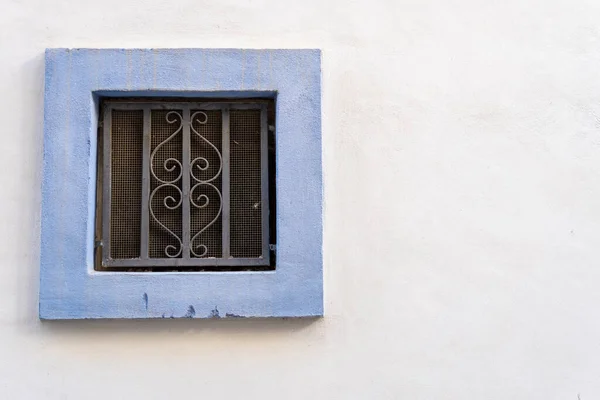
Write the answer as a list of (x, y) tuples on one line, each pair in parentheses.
[(185, 185), (120, 127)]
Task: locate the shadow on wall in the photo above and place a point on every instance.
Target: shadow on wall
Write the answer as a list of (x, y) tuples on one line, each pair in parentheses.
[(25, 248), (159, 326)]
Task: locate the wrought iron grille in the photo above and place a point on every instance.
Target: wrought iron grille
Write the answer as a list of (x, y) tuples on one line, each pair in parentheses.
[(185, 184)]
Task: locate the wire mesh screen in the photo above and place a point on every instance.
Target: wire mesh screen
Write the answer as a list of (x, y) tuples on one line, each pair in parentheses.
[(165, 203), (245, 184), (126, 183)]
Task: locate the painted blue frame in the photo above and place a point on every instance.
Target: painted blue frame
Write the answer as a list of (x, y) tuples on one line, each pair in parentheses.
[(76, 80)]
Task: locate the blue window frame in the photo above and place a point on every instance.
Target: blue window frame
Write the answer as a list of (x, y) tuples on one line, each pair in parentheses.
[(76, 81)]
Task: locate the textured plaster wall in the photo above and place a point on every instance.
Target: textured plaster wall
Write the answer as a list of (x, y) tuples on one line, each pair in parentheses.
[(462, 207)]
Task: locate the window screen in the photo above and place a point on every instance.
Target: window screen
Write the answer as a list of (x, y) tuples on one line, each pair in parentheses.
[(185, 185)]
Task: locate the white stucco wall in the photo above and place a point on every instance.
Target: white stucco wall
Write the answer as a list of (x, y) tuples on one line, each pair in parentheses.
[(462, 207)]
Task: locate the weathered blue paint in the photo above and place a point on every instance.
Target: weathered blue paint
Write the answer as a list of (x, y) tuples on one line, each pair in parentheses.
[(75, 79)]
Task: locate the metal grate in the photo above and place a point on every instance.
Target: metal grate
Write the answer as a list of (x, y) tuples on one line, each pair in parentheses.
[(208, 164), (246, 216), (165, 188), (188, 185), (126, 183)]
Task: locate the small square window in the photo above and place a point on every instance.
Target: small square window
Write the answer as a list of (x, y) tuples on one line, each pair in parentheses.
[(185, 185), (182, 183)]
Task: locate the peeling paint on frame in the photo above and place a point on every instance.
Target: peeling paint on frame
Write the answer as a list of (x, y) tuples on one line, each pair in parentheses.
[(75, 80)]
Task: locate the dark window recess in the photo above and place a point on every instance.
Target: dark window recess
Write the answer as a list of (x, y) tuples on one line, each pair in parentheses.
[(186, 186)]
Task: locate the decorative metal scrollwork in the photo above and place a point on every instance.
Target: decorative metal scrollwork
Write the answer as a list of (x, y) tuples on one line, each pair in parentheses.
[(170, 164), (202, 200)]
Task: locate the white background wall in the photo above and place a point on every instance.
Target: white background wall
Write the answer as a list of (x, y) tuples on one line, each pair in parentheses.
[(462, 206)]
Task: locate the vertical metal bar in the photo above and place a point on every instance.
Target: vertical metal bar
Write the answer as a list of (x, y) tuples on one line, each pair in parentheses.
[(225, 184), (106, 178), (264, 180), (99, 192), (145, 227), (185, 162)]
